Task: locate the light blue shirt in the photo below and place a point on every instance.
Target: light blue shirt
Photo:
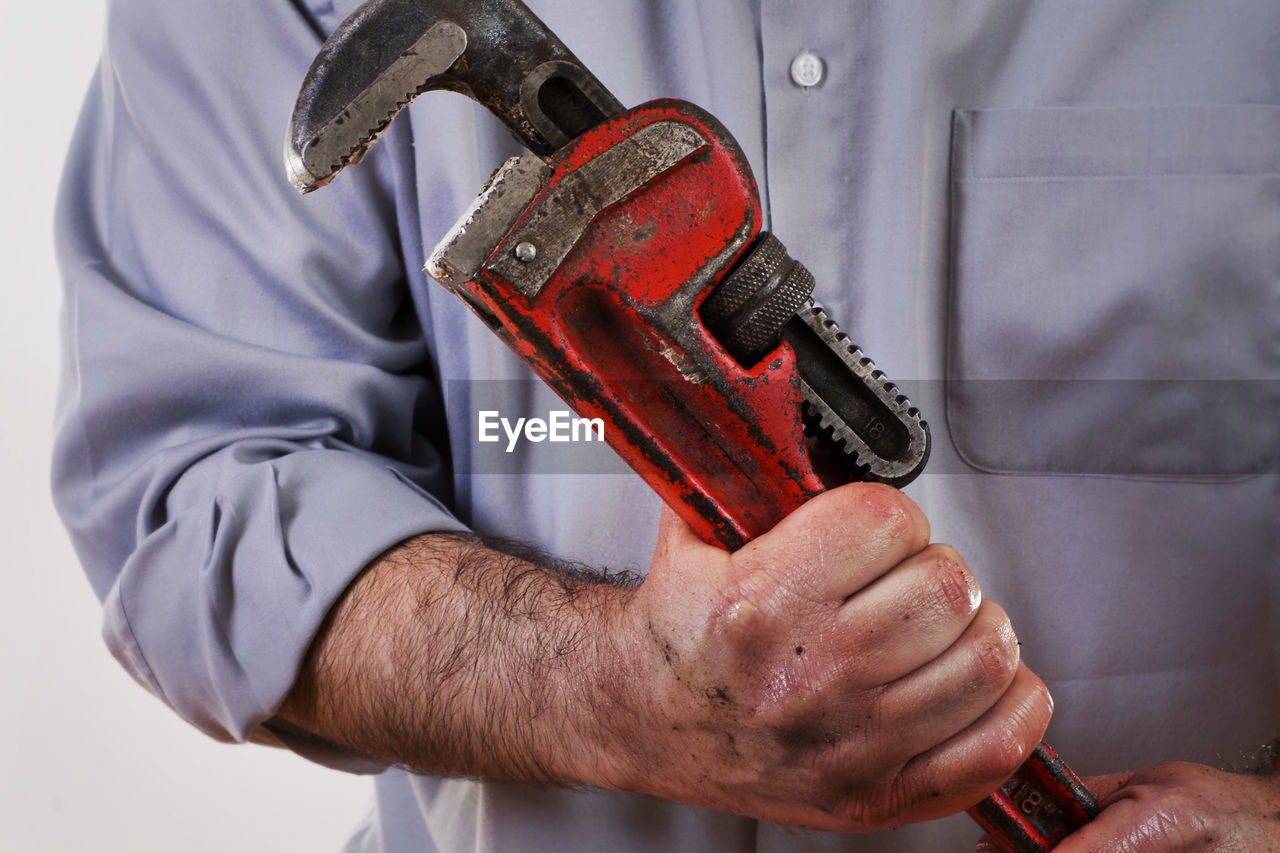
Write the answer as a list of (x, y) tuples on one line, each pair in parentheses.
[(262, 392)]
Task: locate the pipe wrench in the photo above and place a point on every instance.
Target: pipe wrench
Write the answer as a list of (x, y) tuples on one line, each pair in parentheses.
[(622, 258)]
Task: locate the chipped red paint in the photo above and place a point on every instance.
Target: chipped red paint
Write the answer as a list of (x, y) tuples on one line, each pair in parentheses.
[(1039, 806), (616, 333)]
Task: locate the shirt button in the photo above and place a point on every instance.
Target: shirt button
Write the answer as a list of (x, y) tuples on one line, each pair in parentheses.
[(807, 70)]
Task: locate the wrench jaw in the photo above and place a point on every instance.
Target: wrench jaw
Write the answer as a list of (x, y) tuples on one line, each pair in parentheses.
[(390, 51), (486, 223), (500, 54), (336, 120)]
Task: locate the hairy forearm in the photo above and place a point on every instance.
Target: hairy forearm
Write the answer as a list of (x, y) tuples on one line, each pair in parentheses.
[(449, 656), (837, 673)]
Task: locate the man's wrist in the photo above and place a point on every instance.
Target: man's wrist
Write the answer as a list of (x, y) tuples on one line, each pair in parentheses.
[(607, 694)]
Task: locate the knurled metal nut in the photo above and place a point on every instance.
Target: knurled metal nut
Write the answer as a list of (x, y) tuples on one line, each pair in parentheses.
[(745, 282), (759, 330)]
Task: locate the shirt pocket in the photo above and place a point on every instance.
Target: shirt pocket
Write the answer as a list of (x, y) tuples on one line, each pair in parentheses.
[(1115, 290)]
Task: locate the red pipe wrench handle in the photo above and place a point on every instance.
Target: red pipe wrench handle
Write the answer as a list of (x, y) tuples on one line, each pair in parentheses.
[(1038, 806)]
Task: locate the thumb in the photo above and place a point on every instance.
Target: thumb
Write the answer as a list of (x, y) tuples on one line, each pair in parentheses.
[(1102, 833)]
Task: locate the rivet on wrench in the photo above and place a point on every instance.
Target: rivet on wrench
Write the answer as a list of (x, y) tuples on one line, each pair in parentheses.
[(526, 252)]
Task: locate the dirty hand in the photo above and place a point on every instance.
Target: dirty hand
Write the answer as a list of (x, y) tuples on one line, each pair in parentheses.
[(837, 673), (1179, 808)]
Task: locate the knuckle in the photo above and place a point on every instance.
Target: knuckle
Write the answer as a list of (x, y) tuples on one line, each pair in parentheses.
[(1013, 737), (1005, 752), (995, 656), (952, 589), (885, 504)]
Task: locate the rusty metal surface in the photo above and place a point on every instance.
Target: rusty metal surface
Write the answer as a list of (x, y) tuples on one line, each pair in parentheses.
[(390, 51), (558, 220), (320, 145), (852, 409), (614, 328), (1038, 807), (463, 251)]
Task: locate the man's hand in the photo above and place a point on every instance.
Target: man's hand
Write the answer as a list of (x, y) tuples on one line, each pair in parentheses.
[(837, 673), (1181, 808), (1178, 808)]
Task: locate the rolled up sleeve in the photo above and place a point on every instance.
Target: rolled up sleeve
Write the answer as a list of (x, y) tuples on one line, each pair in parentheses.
[(248, 413)]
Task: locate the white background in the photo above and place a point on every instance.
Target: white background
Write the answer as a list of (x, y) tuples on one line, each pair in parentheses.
[(88, 760)]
